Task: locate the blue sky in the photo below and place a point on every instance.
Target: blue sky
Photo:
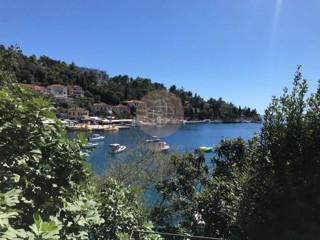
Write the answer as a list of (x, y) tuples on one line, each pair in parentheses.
[(243, 51)]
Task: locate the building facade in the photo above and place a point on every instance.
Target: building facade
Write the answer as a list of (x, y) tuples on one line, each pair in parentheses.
[(75, 91), (135, 103), (39, 89), (121, 109), (102, 108), (58, 91), (77, 113)]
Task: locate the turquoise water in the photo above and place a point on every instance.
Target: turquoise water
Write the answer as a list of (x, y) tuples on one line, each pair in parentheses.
[(186, 139)]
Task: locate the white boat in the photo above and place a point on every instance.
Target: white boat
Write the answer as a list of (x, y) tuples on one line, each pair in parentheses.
[(96, 138), (153, 139), (162, 147), (90, 145), (116, 148), (123, 127)]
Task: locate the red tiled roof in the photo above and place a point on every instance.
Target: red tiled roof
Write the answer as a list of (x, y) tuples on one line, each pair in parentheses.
[(39, 88), (102, 104), (56, 85), (121, 106), (77, 109), (36, 87)]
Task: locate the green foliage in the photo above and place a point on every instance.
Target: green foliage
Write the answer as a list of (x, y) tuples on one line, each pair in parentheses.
[(218, 203), (196, 107), (45, 185), (140, 167), (178, 205), (41, 173), (281, 199), (266, 188), (8, 213), (121, 211), (34, 156), (74, 221), (81, 214), (44, 230)]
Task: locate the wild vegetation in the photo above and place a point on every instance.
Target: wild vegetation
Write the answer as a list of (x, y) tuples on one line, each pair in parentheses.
[(46, 71), (47, 191), (265, 188)]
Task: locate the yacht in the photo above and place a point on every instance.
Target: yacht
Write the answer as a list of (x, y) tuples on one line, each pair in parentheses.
[(153, 139), (162, 147), (96, 138), (116, 148)]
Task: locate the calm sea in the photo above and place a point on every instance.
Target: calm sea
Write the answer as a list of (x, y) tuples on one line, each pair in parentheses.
[(186, 139)]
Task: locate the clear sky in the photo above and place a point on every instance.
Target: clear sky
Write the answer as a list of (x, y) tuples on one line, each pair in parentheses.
[(243, 51)]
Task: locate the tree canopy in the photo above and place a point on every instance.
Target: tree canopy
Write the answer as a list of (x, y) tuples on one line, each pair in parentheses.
[(45, 71), (46, 183), (266, 188)]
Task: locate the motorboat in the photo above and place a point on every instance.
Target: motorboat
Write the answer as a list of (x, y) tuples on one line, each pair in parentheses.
[(90, 145), (116, 148), (96, 138), (204, 149), (153, 139), (162, 147)]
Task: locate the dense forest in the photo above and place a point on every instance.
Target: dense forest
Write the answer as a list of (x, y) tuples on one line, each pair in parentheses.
[(264, 188), (45, 71)]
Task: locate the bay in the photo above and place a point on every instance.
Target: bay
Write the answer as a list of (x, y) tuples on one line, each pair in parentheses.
[(186, 139)]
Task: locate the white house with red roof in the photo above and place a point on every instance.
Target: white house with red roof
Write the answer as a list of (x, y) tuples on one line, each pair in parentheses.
[(58, 91), (37, 88), (102, 108)]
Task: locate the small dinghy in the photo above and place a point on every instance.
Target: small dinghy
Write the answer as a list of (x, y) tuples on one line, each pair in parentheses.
[(116, 148), (96, 138)]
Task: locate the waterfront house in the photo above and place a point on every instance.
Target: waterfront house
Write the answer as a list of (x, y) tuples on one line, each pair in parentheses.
[(121, 109), (102, 108), (77, 113)]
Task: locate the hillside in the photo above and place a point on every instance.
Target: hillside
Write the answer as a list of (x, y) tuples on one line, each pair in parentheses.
[(45, 71)]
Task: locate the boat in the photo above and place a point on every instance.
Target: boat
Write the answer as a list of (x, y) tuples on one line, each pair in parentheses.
[(90, 145), (203, 149), (123, 127), (195, 121), (96, 138), (116, 148), (162, 147), (153, 139)]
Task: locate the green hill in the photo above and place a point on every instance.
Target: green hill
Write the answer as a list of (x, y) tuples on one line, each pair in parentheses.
[(45, 71)]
